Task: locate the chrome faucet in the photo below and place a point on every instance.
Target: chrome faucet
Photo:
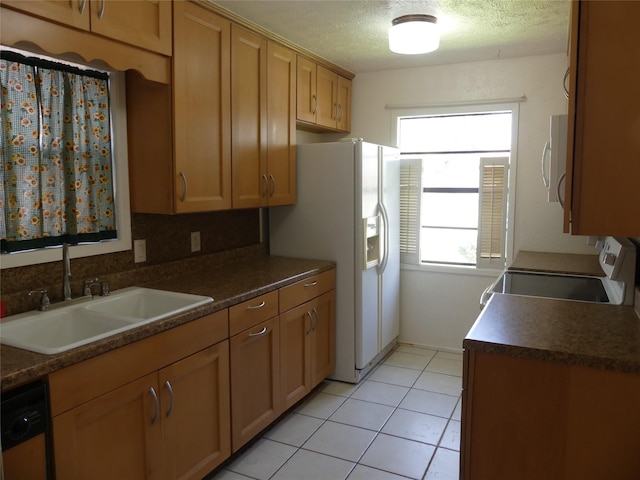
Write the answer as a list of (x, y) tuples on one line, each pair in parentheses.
[(66, 270)]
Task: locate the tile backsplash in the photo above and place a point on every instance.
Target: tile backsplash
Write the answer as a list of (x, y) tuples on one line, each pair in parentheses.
[(225, 236)]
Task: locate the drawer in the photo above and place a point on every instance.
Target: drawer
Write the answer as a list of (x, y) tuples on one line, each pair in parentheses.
[(91, 378), (305, 290), (252, 312)]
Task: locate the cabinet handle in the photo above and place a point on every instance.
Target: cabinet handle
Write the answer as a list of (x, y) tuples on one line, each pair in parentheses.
[(312, 284), (558, 191), (154, 395), (255, 307), (315, 105), (184, 184), (273, 185), (82, 6), (564, 83), (261, 332), (335, 107), (266, 186), (310, 322), (315, 314), (103, 4), (339, 113), (169, 388)]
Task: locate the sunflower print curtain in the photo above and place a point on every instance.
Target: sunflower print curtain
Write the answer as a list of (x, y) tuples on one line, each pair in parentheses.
[(57, 176)]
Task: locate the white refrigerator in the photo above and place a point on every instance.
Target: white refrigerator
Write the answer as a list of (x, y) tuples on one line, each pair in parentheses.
[(348, 211)]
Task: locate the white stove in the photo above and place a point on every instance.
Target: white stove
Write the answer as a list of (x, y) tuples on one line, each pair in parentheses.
[(618, 261)]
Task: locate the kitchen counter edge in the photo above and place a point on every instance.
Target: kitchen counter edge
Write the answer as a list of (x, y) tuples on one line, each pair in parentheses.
[(228, 285), (561, 331)]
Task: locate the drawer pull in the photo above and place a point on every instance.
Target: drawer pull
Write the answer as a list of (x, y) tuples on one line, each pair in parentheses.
[(168, 386), (156, 404), (256, 307), (261, 332), (312, 284)]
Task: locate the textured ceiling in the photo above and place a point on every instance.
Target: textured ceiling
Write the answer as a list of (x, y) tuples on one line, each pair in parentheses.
[(353, 33)]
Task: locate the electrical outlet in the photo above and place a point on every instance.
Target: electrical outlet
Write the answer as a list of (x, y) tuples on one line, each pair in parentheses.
[(195, 241), (139, 251)]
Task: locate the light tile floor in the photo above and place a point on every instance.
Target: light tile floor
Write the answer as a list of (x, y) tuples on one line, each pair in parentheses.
[(402, 421)]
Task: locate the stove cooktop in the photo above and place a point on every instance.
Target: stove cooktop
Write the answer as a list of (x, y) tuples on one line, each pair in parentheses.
[(586, 289)]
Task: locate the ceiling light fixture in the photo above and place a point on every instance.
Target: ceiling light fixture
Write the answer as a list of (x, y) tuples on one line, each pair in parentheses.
[(414, 34)]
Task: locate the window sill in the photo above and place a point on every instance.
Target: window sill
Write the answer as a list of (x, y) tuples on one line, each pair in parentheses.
[(453, 270)]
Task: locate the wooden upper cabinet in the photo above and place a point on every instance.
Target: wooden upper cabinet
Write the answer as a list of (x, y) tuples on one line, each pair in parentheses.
[(263, 80), (201, 110), (249, 118), (74, 13), (343, 119), (180, 134), (324, 98), (281, 116), (307, 101), (143, 23), (603, 165)]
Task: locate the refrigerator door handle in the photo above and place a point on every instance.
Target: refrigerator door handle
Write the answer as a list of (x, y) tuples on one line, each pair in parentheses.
[(385, 254)]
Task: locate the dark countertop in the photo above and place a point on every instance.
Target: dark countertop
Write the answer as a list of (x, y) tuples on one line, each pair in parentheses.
[(563, 331), (227, 284)]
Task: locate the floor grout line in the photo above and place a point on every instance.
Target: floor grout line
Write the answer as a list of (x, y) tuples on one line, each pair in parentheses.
[(377, 432)]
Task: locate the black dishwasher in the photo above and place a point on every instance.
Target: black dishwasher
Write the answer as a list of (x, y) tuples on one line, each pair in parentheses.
[(25, 426)]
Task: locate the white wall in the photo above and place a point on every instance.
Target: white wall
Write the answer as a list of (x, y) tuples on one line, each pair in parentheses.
[(437, 309)]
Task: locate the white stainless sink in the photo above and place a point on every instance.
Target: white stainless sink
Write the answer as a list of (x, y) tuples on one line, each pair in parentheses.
[(68, 326)]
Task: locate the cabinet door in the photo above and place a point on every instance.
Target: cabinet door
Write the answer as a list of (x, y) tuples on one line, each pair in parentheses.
[(327, 97), (255, 380), (281, 114), (143, 23), (117, 435), (295, 354), (249, 118), (201, 100), (196, 413), (514, 414), (323, 358), (343, 120), (307, 101), (74, 13), (603, 167), (307, 347)]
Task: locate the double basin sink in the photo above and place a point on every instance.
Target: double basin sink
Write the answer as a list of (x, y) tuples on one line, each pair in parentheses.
[(64, 327)]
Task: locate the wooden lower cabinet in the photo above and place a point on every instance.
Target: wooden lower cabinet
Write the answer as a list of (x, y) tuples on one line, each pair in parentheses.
[(255, 374), (307, 347), (142, 430), (195, 409), (113, 436), (174, 406), (531, 419)]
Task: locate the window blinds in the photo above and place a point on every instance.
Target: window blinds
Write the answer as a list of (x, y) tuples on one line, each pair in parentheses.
[(410, 188), (492, 211)]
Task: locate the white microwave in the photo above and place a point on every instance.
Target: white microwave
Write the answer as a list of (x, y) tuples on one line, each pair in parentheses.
[(554, 158)]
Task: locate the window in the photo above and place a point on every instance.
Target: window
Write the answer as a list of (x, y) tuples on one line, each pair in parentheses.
[(58, 137), (455, 187)]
